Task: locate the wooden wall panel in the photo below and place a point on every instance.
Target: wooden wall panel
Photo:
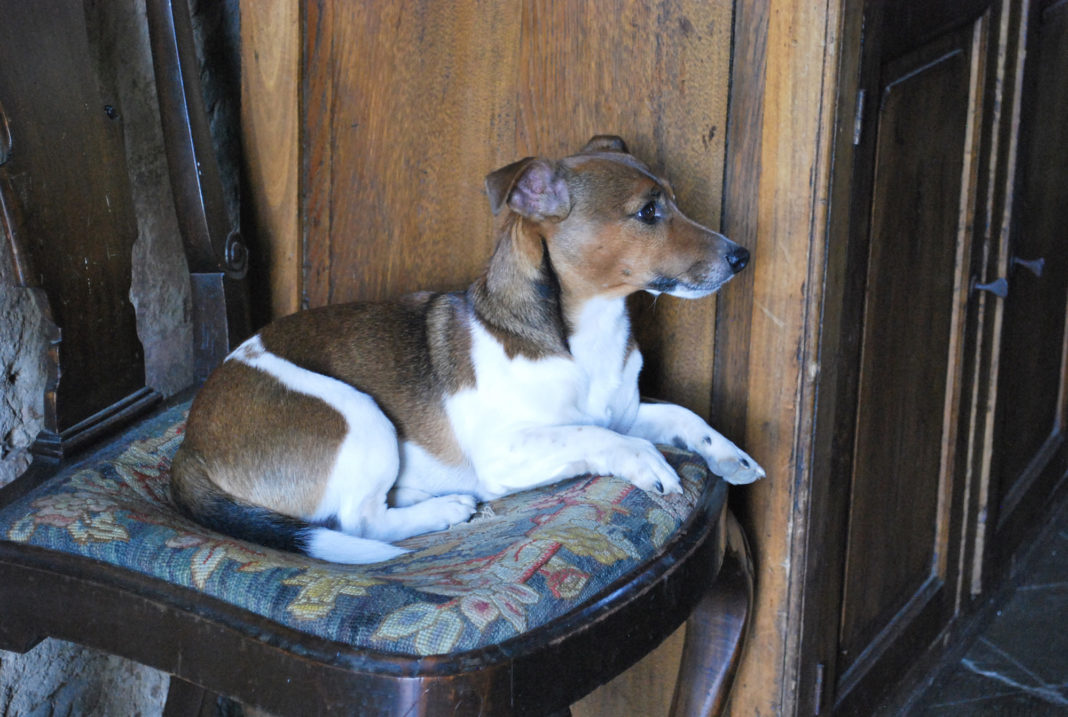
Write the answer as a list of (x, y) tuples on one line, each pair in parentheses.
[(408, 106), (401, 123), (399, 100), (780, 141), (406, 110), (270, 129), (916, 294), (67, 216)]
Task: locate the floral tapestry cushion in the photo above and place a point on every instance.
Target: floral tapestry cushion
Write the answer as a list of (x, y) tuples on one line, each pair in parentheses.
[(520, 562)]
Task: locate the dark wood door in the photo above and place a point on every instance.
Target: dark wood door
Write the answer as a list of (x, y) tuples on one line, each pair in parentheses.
[(924, 172), (1029, 459)]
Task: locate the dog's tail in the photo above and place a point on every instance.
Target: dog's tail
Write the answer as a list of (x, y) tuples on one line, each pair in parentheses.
[(203, 501)]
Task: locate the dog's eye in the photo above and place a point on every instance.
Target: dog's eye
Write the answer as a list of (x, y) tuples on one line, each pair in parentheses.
[(648, 214)]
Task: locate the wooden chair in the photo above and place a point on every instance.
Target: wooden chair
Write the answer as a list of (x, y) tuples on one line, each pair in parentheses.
[(91, 551)]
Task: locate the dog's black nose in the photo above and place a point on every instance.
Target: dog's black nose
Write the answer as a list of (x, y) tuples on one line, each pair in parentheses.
[(737, 259)]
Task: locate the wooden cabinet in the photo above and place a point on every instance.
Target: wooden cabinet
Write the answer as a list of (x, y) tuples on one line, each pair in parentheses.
[(946, 434), (902, 521), (1028, 365)]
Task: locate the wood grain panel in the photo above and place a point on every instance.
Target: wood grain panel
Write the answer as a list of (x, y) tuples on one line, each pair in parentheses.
[(407, 106), (783, 100), (896, 484), (908, 411), (402, 104), (68, 176), (644, 689), (395, 155), (270, 127)]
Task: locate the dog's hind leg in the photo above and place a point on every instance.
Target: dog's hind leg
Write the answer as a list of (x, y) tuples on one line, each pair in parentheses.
[(366, 463), (367, 466)]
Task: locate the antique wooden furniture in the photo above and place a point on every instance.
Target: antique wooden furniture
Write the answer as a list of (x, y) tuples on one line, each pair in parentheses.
[(97, 555), (84, 538), (908, 261), (946, 414), (45, 137)]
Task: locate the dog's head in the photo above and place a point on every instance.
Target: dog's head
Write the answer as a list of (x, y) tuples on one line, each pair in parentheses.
[(612, 227)]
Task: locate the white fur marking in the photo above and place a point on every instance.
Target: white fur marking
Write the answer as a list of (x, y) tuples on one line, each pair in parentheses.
[(338, 547), (599, 345), (534, 422), (422, 474), (668, 423)]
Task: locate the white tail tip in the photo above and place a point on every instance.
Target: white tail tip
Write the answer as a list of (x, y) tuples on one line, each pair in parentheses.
[(338, 547)]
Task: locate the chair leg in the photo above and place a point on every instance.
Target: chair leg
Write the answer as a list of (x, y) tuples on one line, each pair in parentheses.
[(184, 699), (715, 633)]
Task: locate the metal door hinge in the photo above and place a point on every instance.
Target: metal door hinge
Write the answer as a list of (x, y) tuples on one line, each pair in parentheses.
[(817, 689), (858, 118)]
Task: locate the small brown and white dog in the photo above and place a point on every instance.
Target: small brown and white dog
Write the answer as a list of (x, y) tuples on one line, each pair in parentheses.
[(336, 431)]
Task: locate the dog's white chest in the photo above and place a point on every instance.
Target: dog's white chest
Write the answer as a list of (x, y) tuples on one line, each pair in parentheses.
[(601, 349), (596, 385), (523, 422)]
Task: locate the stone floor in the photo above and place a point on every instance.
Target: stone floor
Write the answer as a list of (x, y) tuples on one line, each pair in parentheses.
[(1018, 662)]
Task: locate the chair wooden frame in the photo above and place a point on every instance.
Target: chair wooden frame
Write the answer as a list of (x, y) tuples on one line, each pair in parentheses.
[(213, 648), (199, 639)]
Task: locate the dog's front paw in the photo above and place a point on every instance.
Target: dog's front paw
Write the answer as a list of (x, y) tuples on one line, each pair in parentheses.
[(451, 509), (644, 466), (729, 461)]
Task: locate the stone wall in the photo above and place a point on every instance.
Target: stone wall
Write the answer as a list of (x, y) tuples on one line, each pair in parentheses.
[(57, 677), (22, 371)]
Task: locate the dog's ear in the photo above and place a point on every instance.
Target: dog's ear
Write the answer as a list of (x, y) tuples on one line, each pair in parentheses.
[(605, 143), (499, 183), (531, 188)]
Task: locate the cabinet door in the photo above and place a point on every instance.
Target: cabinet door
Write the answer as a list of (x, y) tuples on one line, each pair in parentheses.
[(1029, 449), (921, 173)]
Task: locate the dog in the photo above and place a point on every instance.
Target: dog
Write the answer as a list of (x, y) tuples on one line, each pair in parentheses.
[(336, 431)]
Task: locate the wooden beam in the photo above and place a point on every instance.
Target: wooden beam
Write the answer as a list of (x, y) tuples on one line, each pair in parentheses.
[(778, 176), (270, 127)]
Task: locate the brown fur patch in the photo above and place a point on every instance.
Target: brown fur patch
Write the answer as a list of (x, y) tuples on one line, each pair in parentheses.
[(518, 298), (602, 250), (258, 442), (544, 270), (408, 356)]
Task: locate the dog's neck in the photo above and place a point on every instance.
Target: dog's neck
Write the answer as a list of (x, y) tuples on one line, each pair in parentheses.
[(520, 298)]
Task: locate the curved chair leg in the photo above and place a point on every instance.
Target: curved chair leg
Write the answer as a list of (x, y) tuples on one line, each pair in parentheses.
[(715, 633), (184, 699)]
